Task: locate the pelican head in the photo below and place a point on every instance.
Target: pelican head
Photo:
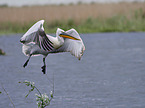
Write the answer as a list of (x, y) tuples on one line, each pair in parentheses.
[(65, 35)]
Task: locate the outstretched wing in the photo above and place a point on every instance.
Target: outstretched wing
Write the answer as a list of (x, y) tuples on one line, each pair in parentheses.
[(75, 47), (32, 35), (37, 36)]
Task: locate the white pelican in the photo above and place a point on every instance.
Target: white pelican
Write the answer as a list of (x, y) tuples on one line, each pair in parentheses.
[(35, 42)]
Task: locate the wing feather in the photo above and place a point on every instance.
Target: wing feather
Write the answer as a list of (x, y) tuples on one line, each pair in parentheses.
[(75, 47), (37, 35), (32, 35)]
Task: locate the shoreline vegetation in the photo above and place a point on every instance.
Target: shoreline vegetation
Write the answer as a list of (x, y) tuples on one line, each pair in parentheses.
[(85, 18), (2, 52)]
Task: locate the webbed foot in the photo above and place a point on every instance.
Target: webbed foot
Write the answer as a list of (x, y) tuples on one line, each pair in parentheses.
[(43, 69)]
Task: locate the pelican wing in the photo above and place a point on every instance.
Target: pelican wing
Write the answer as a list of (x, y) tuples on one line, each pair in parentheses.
[(32, 35), (37, 35), (35, 28), (75, 47)]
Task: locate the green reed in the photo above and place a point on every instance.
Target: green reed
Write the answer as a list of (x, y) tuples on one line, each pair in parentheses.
[(116, 23)]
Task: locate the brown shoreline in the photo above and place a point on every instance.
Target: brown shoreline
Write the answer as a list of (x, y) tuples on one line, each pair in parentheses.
[(76, 12)]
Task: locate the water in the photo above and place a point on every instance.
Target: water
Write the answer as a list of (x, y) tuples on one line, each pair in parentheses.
[(111, 73)]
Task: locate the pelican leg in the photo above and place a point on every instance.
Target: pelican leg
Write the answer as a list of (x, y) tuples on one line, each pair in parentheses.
[(27, 61), (44, 67)]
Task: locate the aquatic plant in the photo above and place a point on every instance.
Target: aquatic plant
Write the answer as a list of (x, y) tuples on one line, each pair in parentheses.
[(7, 95), (42, 100)]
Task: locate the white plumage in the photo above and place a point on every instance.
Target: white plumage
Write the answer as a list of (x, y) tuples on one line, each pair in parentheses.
[(35, 42)]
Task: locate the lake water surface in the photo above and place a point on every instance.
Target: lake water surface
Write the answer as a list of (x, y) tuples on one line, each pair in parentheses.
[(111, 73)]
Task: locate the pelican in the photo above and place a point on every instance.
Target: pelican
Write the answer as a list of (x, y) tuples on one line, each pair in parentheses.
[(36, 42)]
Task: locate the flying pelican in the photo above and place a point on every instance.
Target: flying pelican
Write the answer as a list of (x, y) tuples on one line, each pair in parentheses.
[(35, 42)]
